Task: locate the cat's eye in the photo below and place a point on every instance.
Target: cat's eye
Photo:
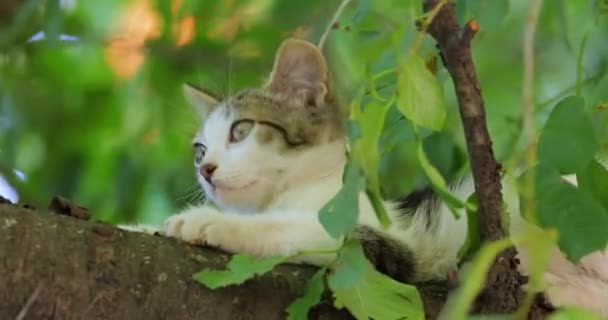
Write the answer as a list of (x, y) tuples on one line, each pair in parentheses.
[(240, 130), (201, 149)]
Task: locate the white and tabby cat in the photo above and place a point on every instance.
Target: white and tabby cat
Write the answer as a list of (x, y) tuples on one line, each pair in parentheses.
[(269, 158)]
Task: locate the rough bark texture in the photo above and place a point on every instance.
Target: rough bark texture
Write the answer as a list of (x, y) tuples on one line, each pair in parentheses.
[(58, 267), (503, 285)]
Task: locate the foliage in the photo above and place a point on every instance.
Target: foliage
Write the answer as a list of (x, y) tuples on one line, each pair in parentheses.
[(373, 295), (101, 119), (240, 268), (568, 142), (340, 214), (314, 289)]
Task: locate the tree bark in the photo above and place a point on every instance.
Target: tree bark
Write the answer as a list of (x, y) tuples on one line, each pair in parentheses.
[(502, 292), (59, 267)]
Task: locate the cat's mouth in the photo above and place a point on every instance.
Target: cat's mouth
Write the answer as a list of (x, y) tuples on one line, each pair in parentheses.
[(226, 188)]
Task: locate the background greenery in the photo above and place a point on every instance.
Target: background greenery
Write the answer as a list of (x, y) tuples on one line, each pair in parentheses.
[(85, 120), (93, 111)]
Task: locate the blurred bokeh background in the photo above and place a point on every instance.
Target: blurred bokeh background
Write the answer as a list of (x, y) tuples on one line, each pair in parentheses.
[(90, 91)]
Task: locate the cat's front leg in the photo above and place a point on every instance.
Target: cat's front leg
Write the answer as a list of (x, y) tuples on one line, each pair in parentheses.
[(191, 224), (262, 235)]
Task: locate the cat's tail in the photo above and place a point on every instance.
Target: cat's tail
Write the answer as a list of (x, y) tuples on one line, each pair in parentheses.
[(583, 285)]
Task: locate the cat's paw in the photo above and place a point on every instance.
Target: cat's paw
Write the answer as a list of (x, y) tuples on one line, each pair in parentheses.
[(195, 225)]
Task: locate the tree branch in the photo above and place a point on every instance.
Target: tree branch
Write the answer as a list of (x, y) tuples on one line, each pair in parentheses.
[(502, 292), (57, 266)]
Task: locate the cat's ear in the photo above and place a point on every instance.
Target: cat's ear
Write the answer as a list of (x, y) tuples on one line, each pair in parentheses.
[(300, 70), (203, 102)]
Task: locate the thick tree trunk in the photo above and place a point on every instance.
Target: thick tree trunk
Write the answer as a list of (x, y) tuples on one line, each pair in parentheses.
[(60, 267)]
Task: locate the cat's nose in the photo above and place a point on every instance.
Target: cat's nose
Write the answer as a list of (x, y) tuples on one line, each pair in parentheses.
[(207, 171)]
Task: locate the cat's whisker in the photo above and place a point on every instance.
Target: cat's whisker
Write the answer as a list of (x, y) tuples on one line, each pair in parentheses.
[(196, 199), (191, 189), (194, 195)]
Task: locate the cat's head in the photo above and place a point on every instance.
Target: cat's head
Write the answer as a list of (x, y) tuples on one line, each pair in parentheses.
[(260, 142)]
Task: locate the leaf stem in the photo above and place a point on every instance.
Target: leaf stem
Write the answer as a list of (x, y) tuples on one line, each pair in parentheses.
[(384, 73), (427, 19), (333, 20), (527, 98), (579, 63)]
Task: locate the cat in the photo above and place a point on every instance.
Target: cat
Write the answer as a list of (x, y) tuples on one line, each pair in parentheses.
[(269, 158)]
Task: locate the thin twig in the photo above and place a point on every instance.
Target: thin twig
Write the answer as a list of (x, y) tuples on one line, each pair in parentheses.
[(332, 22), (424, 23), (28, 304), (527, 99), (549, 101), (579, 63)]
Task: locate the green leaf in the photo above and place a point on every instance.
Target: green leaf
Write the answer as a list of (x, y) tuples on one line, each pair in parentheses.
[(420, 97), (594, 179), (340, 214), (474, 279), (571, 313), (580, 220), (490, 14), (365, 150), (240, 268), (399, 168), (540, 243), (444, 154), (567, 142), (375, 199), (374, 295), (298, 310), (350, 266), (438, 183), (473, 240)]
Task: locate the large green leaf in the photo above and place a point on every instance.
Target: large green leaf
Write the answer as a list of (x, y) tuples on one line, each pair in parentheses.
[(594, 179), (298, 310), (420, 96), (580, 220), (340, 214), (568, 142), (350, 266), (240, 268), (366, 293)]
